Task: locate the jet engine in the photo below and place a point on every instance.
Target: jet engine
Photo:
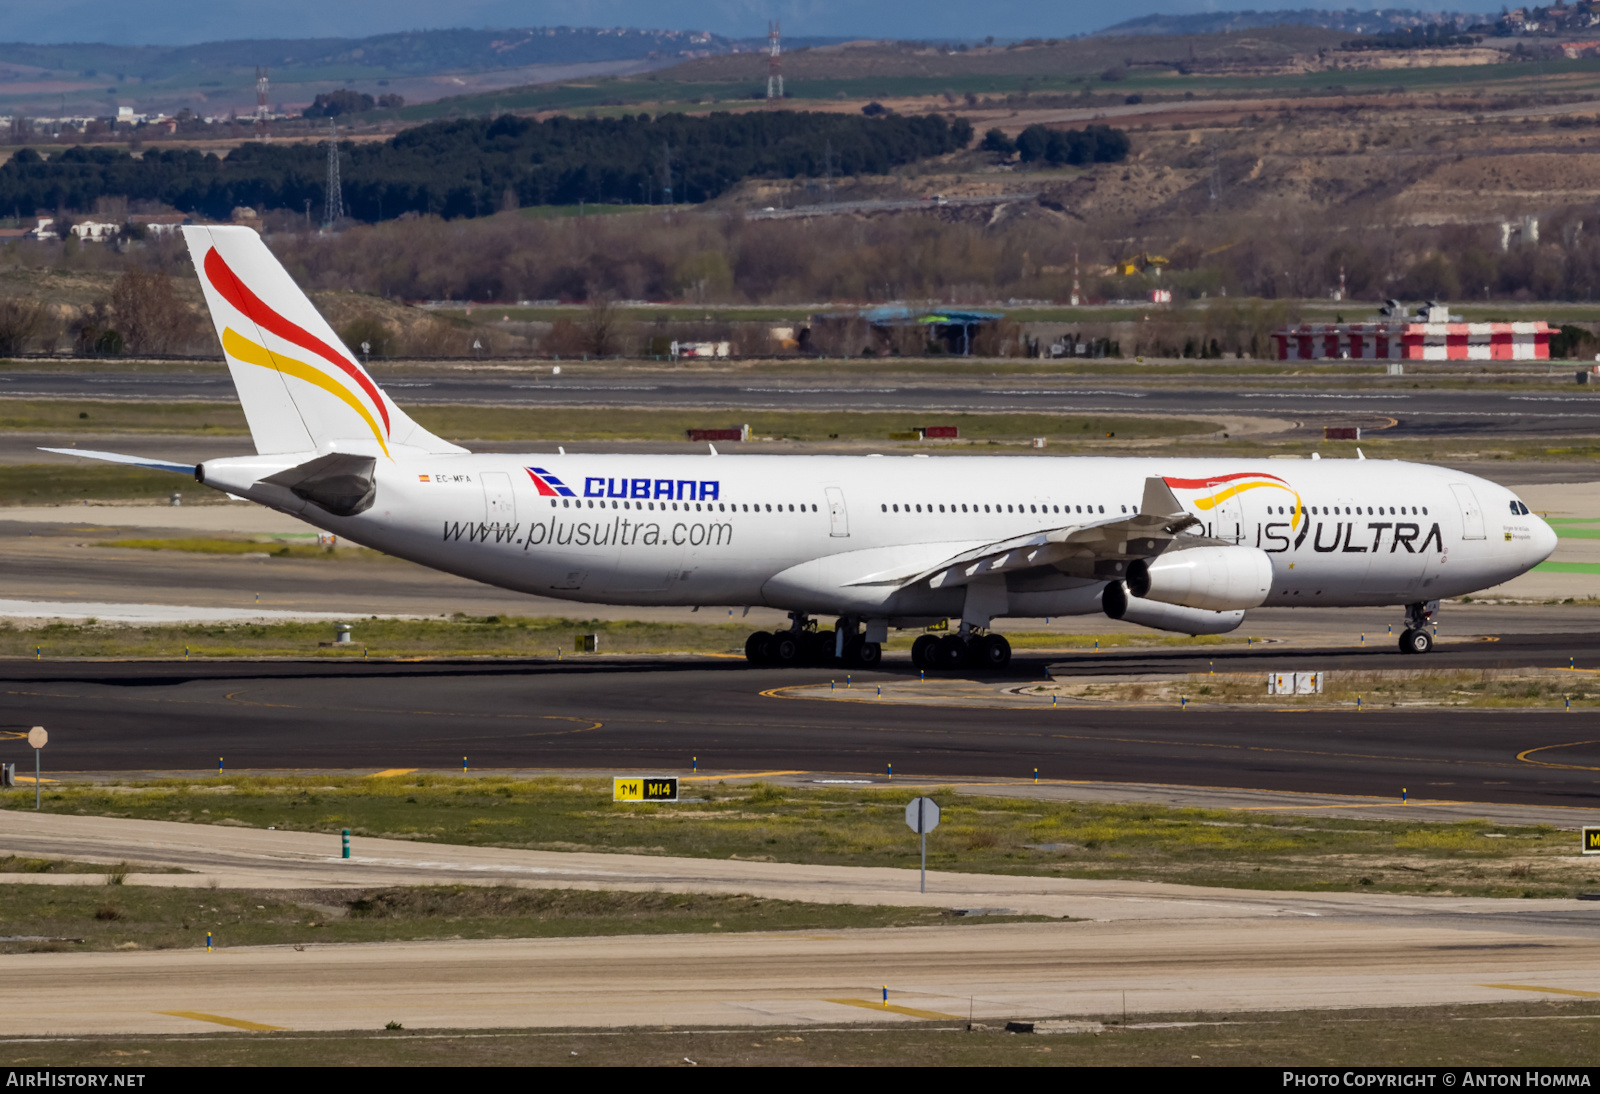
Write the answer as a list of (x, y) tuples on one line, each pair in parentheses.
[(1221, 579), (1120, 603)]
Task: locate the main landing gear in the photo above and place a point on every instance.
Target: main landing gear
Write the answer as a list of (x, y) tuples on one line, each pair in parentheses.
[(1417, 638), (956, 651), (805, 643)]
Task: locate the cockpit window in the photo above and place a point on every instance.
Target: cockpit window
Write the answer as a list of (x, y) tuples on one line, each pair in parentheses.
[(1518, 509)]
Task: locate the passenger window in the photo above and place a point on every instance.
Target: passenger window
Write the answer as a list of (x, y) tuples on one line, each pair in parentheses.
[(941, 508), (985, 508), (1424, 510), (1102, 508)]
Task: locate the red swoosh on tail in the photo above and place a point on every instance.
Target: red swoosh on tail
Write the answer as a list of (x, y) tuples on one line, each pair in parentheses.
[(237, 293)]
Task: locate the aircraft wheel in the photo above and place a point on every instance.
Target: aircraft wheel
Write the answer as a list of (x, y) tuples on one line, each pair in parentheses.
[(786, 649), (951, 652), (993, 651), (821, 648), (758, 648), (1416, 641), (865, 654), (922, 651)]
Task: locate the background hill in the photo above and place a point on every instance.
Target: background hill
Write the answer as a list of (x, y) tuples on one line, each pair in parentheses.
[(1377, 21), (215, 77)]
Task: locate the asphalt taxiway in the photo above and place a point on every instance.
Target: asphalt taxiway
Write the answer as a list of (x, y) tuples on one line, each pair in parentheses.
[(640, 713)]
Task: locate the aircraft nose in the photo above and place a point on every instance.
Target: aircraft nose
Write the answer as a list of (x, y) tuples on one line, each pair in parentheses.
[(1544, 541)]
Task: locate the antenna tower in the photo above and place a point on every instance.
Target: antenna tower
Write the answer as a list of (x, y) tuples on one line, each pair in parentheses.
[(334, 212), (261, 103), (774, 64)]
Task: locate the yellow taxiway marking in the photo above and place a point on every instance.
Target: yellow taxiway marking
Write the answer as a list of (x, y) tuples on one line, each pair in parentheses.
[(236, 1023), (892, 1008), (391, 772), (1525, 753), (29, 779), (1357, 805), (1552, 991)]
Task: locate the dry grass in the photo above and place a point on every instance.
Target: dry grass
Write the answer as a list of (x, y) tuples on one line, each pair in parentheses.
[(1389, 688), (866, 827)]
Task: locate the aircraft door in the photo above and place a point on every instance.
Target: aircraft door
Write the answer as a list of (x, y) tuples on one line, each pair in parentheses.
[(838, 516), (1226, 519), (1471, 511), (499, 505)]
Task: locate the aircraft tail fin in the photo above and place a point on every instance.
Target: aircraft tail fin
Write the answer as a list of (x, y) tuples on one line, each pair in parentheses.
[(301, 388)]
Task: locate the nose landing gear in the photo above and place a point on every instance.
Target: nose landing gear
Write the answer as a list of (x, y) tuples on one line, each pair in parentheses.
[(1417, 638)]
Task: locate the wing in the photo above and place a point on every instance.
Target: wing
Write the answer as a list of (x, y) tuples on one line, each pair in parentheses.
[(1099, 549)]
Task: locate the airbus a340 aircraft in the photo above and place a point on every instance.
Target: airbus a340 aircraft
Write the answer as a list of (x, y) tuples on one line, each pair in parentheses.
[(871, 542)]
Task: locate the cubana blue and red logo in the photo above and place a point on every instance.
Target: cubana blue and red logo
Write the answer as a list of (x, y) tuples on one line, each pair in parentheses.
[(548, 485)]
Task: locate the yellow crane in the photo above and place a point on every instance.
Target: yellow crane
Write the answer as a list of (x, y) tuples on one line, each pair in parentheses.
[(1141, 262)]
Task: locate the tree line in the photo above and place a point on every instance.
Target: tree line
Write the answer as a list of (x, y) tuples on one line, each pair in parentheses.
[(475, 166)]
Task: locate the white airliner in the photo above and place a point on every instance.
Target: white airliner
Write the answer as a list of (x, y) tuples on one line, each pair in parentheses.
[(1185, 545)]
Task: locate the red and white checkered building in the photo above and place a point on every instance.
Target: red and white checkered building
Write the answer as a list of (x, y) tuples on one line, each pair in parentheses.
[(1413, 342)]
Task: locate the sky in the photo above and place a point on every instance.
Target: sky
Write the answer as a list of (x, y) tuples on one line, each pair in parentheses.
[(183, 22)]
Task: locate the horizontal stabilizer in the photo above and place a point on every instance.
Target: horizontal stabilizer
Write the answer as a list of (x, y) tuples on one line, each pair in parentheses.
[(132, 461)]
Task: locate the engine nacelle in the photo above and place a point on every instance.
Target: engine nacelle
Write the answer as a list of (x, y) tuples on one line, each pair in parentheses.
[(1221, 579), (1121, 604)]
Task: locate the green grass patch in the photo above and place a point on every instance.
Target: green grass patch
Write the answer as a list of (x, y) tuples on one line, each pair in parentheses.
[(579, 423), (22, 864), (84, 917), (1568, 567), (583, 423), (58, 484), (73, 415), (866, 827), (1537, 1033)]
